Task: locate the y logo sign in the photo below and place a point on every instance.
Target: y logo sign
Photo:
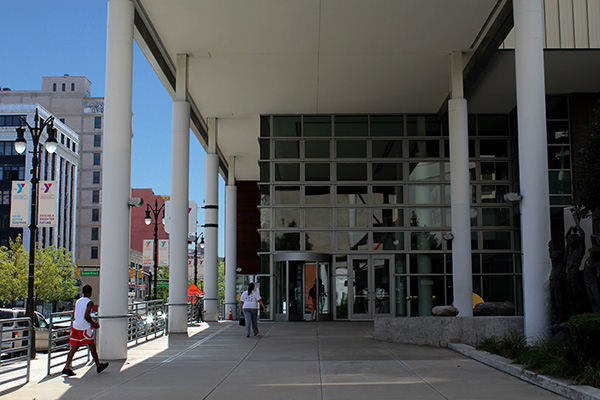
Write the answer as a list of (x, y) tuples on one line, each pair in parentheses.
[(47, 187), (20, 187)]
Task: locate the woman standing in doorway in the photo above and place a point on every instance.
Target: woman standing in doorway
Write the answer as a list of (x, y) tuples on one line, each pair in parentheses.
[(250, 300)]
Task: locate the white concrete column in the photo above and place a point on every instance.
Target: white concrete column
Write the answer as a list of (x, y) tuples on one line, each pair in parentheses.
[(180, 165), (116, 185), (460, 204), (230, 241), (533, 165), (211, 225)]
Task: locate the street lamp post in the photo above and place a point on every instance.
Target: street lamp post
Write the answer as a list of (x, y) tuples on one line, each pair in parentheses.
[(20, 147), (195, 238), (152, 214)]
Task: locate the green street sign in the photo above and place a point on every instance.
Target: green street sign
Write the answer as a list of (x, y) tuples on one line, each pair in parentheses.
[(89, 273), (162, 285)]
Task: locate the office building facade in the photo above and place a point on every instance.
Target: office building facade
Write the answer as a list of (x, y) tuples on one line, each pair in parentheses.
[(69, 99), (61, 166)]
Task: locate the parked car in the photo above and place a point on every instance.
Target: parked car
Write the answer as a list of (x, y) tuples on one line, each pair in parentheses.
[(42, 329)]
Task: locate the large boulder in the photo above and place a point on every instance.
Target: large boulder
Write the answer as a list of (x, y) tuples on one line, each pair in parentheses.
[(445, 311), (496, 309)]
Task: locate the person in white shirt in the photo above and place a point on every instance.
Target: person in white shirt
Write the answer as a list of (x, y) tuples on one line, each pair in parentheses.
[(82, 331), (250, 300)]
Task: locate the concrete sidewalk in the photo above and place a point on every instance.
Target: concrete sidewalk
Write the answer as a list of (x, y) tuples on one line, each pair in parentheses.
[(293, 360)]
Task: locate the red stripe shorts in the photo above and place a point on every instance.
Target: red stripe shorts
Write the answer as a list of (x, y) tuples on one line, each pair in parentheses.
[(79, 338)]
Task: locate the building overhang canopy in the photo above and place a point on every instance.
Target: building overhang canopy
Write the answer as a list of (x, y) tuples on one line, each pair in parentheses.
[(250, 58)]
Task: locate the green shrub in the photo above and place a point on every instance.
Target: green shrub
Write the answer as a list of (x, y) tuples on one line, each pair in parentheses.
[(559, 359), (589, 375), (585, 331), (512, 346), (550, 358)]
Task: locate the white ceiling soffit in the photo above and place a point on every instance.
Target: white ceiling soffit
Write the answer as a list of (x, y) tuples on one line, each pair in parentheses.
[(248, 58), (566, 71)]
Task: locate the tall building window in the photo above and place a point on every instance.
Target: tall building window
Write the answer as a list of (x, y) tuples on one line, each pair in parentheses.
[(97, 140), (10, 120), (94, 253), (96, 158), (8, 149), (62, 120), (4, 197), (96, 177), (97, 122), (64, 87), (379, 186), (95, 196), (54, 87), (12, 172), (72, 87), (95, 233), (95, 214)]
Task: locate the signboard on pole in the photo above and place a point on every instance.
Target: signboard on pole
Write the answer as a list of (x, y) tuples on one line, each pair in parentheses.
[(192, 217), (148, 253), (48, 203), (163, 252), (19, 204)]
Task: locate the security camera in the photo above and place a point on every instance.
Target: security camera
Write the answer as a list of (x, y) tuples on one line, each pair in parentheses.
[(135, 202), (512, 197)]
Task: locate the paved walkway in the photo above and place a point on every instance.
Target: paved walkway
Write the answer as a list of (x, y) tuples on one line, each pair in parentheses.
[(294, 360)]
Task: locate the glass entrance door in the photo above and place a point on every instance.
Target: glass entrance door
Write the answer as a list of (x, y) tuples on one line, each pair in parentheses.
[(296, 291), (370, 293), (302, 290)]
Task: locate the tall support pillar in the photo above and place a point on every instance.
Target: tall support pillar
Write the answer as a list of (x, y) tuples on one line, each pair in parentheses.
[(230, 240), (533, 165), (211, 225), (460, 191), (116, 186), (180, 164)]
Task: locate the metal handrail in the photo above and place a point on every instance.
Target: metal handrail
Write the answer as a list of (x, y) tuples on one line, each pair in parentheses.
[(195, 311), (59, 331), (14, 353), (146, 319)]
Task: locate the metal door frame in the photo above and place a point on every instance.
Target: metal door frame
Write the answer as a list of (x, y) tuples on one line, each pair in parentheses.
[(370, 286), (304, 257)]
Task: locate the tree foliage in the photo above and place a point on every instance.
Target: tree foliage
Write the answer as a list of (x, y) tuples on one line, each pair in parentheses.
[(54, 274), (587, 185), (54, 277), (163, 276), (14, 265), (221, 282)]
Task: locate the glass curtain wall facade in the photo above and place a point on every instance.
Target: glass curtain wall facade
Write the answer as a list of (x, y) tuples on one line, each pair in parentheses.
[(374, 192)]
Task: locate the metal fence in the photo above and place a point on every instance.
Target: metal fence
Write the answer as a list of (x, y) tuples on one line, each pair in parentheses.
[(15, 334), (59, 327), (147, 320), (195, 311)]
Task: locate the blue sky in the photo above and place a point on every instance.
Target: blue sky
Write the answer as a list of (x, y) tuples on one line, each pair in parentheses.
[(57, 37)]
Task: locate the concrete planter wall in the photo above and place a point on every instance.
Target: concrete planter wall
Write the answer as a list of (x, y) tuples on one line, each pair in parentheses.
[(439, 331)]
